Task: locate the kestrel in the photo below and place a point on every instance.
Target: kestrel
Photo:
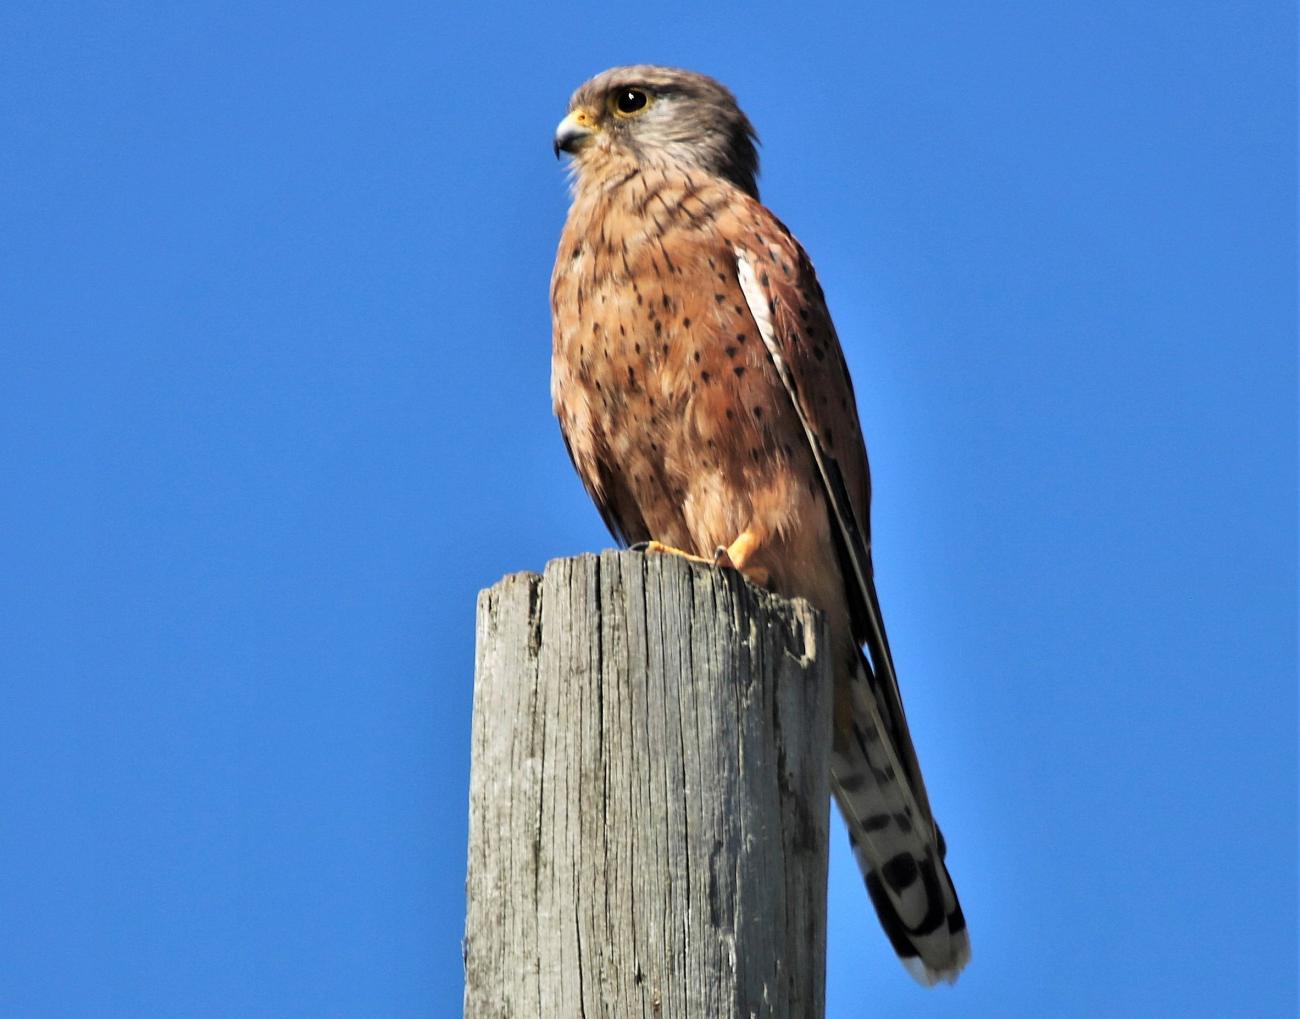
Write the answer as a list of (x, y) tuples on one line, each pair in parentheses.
[(706, 404)]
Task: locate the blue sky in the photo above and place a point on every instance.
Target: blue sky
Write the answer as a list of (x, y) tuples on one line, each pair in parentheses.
[(274, 349)]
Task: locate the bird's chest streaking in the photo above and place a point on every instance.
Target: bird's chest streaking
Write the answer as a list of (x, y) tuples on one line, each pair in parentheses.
[(658, 371)]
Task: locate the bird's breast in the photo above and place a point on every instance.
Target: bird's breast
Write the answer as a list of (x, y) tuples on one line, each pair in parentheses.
[(658, 369)]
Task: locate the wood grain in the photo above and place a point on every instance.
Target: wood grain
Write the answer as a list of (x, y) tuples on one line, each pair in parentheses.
[(649, 796)]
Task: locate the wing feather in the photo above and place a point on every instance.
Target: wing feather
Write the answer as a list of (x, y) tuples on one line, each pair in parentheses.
[(608, 490), (795, 326)]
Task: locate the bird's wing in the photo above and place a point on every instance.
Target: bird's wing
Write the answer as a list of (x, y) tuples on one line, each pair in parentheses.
[(892, 828), (605, 484), (789, 310)]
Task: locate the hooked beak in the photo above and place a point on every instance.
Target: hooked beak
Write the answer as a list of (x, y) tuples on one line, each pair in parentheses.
[(574, 131)]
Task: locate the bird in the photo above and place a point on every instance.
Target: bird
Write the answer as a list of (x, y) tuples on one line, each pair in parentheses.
[(707, 407)]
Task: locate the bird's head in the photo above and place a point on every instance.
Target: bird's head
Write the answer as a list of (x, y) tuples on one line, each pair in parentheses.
[(659, 116)]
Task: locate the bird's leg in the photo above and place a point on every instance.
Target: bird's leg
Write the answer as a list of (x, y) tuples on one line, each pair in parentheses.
[(659, 546), (737, 556)]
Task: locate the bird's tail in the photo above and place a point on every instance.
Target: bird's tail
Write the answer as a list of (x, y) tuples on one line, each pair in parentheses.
[(895, 840)]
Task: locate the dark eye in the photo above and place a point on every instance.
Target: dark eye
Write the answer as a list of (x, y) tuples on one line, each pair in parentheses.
[(628, 101)]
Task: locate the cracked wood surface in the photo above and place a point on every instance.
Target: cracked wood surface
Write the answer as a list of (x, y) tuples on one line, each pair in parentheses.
[(649, 796)]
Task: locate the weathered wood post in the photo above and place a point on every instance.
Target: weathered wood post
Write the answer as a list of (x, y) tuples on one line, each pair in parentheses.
[(649, 797)]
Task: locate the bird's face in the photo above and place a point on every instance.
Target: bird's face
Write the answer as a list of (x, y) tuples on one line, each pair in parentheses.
[(659, 116)]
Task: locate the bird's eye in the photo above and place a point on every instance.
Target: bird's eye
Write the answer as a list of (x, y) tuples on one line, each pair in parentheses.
[(628, 102)]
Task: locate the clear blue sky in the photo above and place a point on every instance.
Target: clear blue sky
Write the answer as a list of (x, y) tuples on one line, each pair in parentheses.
[(274, 348)]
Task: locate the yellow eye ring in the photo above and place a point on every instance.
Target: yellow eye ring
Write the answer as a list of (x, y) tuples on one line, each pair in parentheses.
[(629, 102)]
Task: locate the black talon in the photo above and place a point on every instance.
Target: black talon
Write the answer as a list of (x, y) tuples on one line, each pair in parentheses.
[(640, 546)]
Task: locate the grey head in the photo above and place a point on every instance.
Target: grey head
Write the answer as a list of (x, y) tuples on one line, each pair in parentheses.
[(659, 116)]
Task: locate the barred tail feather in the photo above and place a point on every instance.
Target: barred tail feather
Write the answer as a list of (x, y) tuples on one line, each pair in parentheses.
[(897, 845)]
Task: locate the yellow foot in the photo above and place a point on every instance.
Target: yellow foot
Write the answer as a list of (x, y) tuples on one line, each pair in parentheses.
[(659, 546), (737, 556), (734, 556)]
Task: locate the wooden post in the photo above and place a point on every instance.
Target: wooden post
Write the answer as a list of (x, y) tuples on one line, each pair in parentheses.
[(649, 796)]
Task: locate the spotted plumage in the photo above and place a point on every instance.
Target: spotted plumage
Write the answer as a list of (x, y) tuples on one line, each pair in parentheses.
[(705, 402)]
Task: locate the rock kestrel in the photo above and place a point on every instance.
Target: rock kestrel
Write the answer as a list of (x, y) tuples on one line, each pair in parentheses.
[(706, 404)]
